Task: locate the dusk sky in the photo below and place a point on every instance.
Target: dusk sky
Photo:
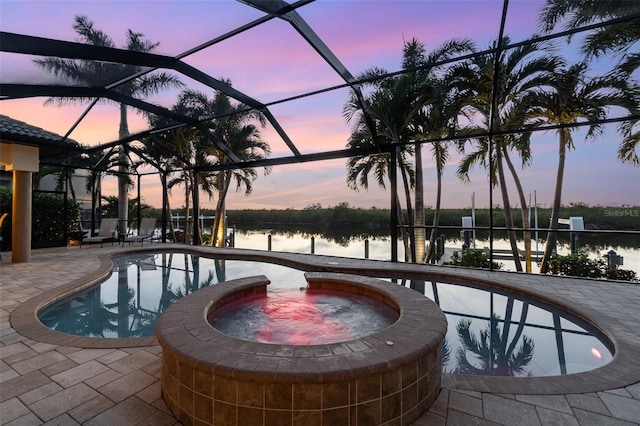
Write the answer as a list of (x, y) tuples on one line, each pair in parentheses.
[(272, 62)]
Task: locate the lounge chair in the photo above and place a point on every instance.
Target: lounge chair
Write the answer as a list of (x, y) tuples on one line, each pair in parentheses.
[(106, 233), (146, 230)]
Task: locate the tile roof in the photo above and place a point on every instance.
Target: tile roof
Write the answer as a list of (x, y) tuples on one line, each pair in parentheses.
[(51, 144)]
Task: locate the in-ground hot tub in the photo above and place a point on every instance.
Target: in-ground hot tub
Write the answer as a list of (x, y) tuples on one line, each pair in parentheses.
[(392, 375)]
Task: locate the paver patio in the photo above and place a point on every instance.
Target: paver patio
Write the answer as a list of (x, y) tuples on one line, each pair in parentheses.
[(49, 381)]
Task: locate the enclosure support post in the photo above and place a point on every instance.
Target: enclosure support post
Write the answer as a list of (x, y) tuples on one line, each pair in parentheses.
[(139, 210), (196, 211), (393, 177), (163, 177)]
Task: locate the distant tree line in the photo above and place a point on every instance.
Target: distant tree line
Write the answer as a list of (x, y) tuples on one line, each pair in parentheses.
[(595, 217)]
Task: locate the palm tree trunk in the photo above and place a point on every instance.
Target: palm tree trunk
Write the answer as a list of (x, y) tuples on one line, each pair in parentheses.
[(411, 255), (523, 211), (172, 229), (405, 234), (187, 210), (420, 230), (508, 218), (217, 231), (552, 235), (436, 212), (197, 236), (123, 168)]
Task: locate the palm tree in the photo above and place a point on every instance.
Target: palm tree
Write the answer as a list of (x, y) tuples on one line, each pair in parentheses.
[(437, 119), (231, 125), (575, 97), (392, 104), (407, 109), (360, 167), (101, 74), (520, 72), (183, 141), (617, 39)]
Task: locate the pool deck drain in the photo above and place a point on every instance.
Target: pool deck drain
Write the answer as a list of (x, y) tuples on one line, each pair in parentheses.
[(67, 381)]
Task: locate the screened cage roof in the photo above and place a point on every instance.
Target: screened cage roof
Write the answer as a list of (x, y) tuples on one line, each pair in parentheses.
[(296, 63)]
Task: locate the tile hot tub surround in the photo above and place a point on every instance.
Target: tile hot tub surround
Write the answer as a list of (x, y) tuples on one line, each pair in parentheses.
[(390, 376)]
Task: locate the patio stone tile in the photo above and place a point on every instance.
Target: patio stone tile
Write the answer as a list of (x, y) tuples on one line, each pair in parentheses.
[(151, 393), (58, 367), (126, 386), (79, 373), (159, 418), (509, 412), (621, 407), (154, 350), (474, 394), (19, 356), (552, 402), (8, 375), (634, 390), (19, 385), (111, 356), (29, 419), (162, 406), (103, 378), (85, 355), (37, 362), (555, 418), (430, 419), (506, 395), (588, 402), (61, 402), (456, 418), (68, 350), (62, 420), (619, 392), (12, 409), (42, 347), (15, 348), (465, 403), (132, 409), (441, 404), (40, 393), (91, 408), (133, 362), (590, 418)]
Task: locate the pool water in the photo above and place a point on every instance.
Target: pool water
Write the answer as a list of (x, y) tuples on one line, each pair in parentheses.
[(489, 332), (303, 317)]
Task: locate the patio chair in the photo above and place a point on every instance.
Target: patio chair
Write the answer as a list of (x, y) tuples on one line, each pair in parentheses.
[(146, 230), (106, 232)]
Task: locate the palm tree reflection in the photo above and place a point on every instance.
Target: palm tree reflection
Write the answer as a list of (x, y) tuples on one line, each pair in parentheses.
[(491, 353), (87, 314)]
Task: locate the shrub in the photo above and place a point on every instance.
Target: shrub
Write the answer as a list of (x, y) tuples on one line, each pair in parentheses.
[(622, 275), (472, 258), (48, 219), (580, 265)]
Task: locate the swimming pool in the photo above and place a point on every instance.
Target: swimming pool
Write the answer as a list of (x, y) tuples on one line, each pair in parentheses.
[(490, 331)]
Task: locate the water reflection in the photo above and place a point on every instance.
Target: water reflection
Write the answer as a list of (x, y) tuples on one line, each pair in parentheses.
[(499, 334), (489, 332)]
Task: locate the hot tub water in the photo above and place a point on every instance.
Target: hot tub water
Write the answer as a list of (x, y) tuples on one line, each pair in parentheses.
[(303, 317)]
